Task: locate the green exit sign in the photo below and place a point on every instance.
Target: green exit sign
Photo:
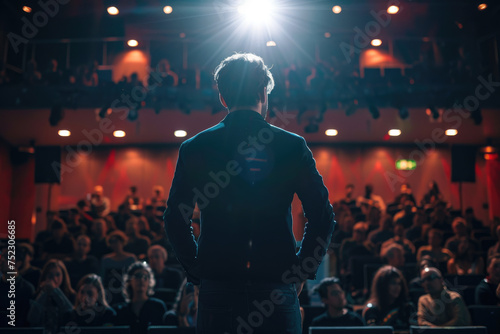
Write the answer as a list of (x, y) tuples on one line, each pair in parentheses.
[(406, 164)]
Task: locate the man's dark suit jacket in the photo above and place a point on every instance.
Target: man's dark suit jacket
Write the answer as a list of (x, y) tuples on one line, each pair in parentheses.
[(243, 174)]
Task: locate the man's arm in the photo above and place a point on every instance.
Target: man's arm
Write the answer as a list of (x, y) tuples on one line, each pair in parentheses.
[(461, 316), (177, 218), (319, 212), (423, 313)]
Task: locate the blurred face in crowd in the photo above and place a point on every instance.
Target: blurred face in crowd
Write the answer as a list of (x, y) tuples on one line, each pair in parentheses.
[(397, 258), (87, 296), (156, 259), (432, 281), (56, 276), (399, 230), (394, 288), (494, 270), (83, 245), (140, 282), (359, 234), (116, 243), (131, 227), (459, 228), (434, 239), (335, 297)]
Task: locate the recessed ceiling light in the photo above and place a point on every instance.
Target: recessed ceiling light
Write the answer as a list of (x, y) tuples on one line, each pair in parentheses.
[(180, 133), (331, 132), (336, 9), (113, 10), (394, 132), (393, 9), (376, 42), (168, 9), (64, 133), (132, 43), (119, 133), (451, 132)]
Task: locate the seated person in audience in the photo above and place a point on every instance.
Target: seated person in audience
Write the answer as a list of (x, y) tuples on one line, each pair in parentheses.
[(22, 289), (99, 205), (133, 200), (440, 307), (400, 239), (355, 246), (486, 289), (158, 199), (465, 262), (425, 262), (115, 264), (434, 249), (75, 227), (165, 277), (61, 245), (110, 224), (122, 216), (432, 197), (496, 247), (349, 201), (406, 194), (55, 297), (24, 255), (394, 255), (91, 307), (389, 303), (82, 264), (415, 231), (373, 219), (140, 310), (185, 309), (144, 230), (371, 199), (336, 313), (137, 244), (98, 243), (440, 217), (471, 219), (381, 234), (155, 224), (460, 231), (406, 215), (83, 207), (42, 236)]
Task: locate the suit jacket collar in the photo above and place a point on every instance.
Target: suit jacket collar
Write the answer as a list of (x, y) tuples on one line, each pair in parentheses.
[(243, 116)]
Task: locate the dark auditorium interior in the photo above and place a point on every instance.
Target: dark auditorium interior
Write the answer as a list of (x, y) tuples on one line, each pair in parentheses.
[(398, 101)]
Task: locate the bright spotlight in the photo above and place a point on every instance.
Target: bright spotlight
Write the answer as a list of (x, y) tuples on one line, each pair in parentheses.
[(393, 9), (482, 6), (271, 43), (336, 9), (64, 133), (376, 42), (451, 132), (132, 43), (331, 132), (119, 133), (180, 133), (168, 9), (256, 10), (113, 10), (27, 9), (394, 132)]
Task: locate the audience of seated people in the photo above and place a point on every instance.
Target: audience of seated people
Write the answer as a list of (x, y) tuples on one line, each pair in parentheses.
[(102, 255)]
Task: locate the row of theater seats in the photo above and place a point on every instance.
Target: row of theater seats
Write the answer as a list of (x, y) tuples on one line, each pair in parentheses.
[(482, 316)]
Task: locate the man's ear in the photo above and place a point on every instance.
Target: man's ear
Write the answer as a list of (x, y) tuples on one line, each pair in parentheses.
[(221, 99)]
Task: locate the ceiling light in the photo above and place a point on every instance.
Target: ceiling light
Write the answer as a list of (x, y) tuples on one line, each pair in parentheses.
[(180, 133), (331, 132), (168, 9), (113, 10), (393, 9), (119, 133), (64, 133), (336, 9), (482, 6), (376, 42), (27, 9), (394, 132), (132, 43), (451, 132)]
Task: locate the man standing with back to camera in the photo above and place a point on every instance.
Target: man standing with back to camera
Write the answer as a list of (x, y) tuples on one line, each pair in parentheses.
[(243, 174)]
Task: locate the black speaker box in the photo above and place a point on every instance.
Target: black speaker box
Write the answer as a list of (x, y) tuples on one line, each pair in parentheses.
[(48, 164), (463, 163)]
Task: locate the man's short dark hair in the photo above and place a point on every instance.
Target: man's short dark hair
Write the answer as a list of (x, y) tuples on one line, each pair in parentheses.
[(322, 287), (241, 78)]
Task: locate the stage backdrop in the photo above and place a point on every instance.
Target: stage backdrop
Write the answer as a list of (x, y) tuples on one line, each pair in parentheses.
[(118, 168)]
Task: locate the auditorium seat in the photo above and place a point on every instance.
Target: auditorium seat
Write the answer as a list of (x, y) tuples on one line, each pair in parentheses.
[(488, 316), (352, 330), (171, 330), (448, 330), (96, 330)]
